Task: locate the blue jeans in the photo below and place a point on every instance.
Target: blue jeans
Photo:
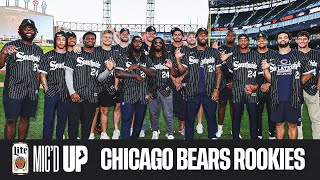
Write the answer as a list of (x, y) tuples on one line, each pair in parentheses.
[(51, 105), (127, 111), (209, 108)]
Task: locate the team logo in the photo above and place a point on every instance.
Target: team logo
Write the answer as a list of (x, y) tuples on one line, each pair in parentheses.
[(20, 158)]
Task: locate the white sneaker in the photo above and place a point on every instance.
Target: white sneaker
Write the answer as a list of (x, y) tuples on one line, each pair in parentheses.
[(91, 136), (142, 134), (260, 137), (155, 135), (219, 133), (131, 130), (272, 137), (199, 129), (116, 134), (104, 136), (170, 137)]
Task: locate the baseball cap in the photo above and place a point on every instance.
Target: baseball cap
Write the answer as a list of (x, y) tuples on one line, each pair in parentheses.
[(262, 35), (150, 29), (200, 30), (243, 36), (176, 29), (89, 32), (27, 22), (136, 38), (71, 34), (124, 29)]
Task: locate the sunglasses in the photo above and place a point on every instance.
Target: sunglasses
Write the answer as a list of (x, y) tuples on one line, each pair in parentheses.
[(158, 42)]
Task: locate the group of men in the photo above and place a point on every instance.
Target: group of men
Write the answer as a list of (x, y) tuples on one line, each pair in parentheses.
[(81, 84)]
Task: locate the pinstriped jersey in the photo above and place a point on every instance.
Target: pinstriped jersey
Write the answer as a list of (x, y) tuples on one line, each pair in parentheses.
[(86, 69), (162, 81), (313, 60), (193, 59), (52, 64), (120, 50), (131, 90), (228, 50), (245, 68), (109, 83), (297, 68), (270, 56), (22, 71)]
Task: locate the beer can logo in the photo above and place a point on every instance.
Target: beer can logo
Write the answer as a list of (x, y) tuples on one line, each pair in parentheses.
[(20, 158)]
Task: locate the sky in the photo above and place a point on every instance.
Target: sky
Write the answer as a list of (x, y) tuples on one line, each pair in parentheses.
[(126, 11)]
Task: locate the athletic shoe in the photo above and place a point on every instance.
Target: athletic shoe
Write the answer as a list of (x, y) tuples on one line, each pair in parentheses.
[(219, 133), (142, 134), (116, 134), (155, 135), (104, 136), (272, 137), (182, 132), (170, 137), (91, 136), (260, 137), (239, 135), (199, 129), (214, 138)]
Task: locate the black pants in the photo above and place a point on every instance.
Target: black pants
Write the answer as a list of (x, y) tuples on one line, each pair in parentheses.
[(75, 111), (265, 99)]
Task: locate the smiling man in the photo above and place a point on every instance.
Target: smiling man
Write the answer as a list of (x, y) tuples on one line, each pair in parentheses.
[(21, 86), (287, 74)]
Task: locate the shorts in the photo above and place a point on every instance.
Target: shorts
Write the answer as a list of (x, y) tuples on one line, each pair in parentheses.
[(13, 108), (284, 112), (108, 100), (225, 94), (179, 105)]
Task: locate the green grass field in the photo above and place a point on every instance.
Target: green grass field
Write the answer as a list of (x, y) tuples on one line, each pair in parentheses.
[(35, 130)]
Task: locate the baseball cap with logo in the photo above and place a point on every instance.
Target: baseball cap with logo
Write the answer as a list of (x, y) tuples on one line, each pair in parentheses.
[(243, 36), (262, 35), (71, 34), (150, 29), (176, 29), (200, 30), (124, 29), (27, 22)]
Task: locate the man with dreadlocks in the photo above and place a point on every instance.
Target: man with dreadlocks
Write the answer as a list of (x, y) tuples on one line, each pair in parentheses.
[(133, 68), (21, 86), (160, 88)]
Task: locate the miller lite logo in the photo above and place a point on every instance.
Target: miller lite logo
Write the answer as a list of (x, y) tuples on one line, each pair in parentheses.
[(20, 158)]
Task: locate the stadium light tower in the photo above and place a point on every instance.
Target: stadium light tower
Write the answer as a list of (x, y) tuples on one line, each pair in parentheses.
[(150, 12), (106, 12)]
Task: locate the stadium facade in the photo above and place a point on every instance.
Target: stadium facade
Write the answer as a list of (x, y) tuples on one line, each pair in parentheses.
[(270, 16)]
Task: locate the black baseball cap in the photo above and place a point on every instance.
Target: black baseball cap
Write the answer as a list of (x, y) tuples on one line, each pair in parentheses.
[(89, 32), (27, 22), (136, 38), (176, 29), (200, 30), (71, 34), (262, 35), (243, 36), (124, 29), (150, 29)]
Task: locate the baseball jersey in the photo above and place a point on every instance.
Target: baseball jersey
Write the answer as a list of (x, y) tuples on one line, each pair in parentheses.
[(162, 81), (313, 59), (228, 50), (270, 56), (22, 71), (131, 90), (298, 66), (194, 60), (246, 69), (86, 68), (52, 64), (109, 83)]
